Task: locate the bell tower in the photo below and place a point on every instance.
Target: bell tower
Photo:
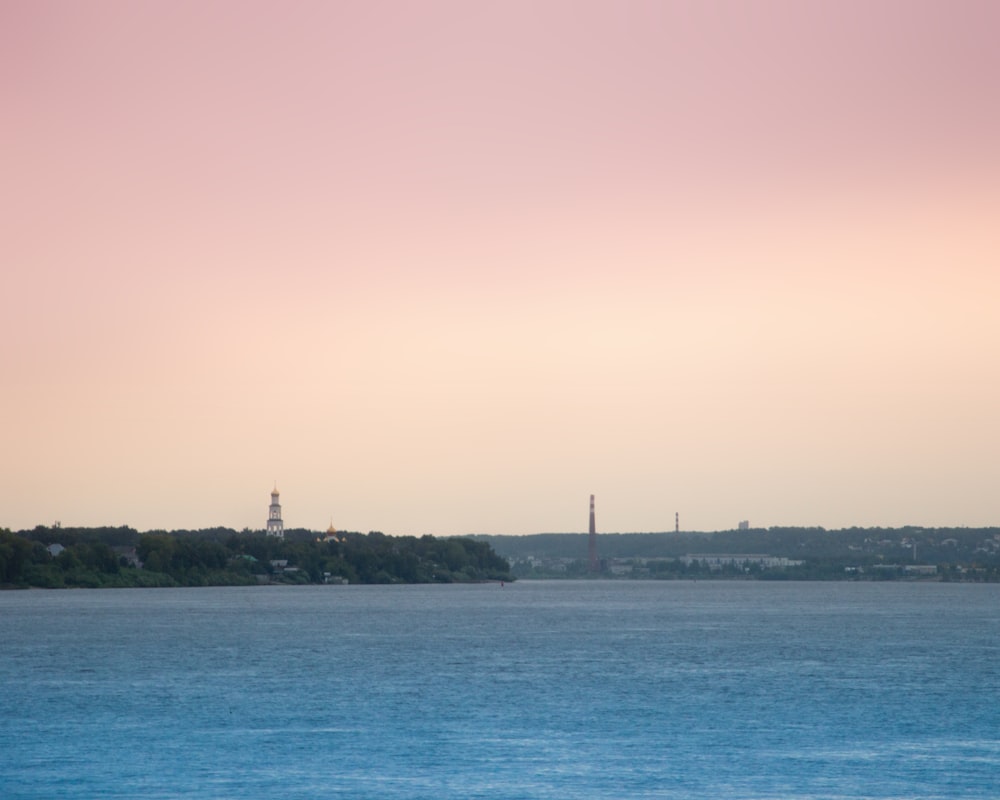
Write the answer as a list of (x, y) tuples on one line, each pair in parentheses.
[(275, 527)]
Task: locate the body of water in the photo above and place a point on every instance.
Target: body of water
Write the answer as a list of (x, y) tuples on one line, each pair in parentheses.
[(583, 689)]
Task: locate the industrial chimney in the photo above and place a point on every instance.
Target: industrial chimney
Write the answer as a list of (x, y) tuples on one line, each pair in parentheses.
[(592, 544)]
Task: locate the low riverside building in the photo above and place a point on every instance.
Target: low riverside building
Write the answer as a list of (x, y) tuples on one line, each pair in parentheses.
[(720, 560), (128, 556), (906, 569)]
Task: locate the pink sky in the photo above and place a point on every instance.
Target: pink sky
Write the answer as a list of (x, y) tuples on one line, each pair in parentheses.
[(451, 267)]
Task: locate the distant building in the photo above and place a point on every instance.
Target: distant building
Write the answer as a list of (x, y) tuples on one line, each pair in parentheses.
[(907, 569), (716, 561), (55, 549), (331, 534), (129, 556), (744, 525), (275, 527)]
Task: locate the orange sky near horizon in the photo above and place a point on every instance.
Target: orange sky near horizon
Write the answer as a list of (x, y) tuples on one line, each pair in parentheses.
[(452, 267)]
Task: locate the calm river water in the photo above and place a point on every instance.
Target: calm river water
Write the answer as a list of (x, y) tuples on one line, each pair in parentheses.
[(584, 689)]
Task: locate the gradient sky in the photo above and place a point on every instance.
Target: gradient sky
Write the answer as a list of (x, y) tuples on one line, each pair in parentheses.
[(451, 267)]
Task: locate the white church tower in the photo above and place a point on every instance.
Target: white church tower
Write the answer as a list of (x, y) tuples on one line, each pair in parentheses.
[(275, 527)]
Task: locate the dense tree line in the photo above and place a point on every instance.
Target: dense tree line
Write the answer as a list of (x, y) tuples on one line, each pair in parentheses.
[(958, 553), (119, 557), (108, 556), (936, 543)]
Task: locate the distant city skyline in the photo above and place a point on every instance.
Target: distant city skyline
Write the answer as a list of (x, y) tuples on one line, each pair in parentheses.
[(451, 267)]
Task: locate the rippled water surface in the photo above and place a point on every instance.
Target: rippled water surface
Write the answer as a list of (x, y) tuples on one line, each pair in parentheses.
[(535, 690)]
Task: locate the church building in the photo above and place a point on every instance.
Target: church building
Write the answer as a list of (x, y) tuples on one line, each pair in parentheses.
[(275, 527)]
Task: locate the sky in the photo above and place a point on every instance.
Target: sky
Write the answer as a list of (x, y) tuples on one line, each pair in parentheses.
[(451, 267)]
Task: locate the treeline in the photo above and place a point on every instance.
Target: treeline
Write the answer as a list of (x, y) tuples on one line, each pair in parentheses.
[(850, 553), (857, 545), (55, 557)]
